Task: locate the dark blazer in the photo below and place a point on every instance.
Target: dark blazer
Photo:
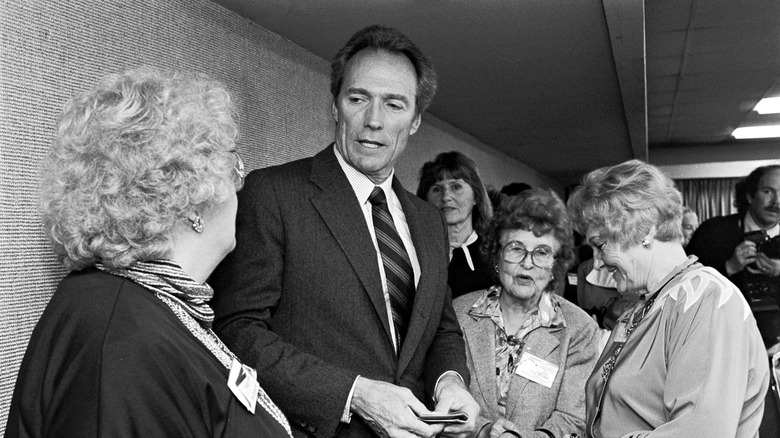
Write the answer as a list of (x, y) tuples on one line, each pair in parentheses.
[(110, 359), (531, 406), (714, 241), (300, 298)]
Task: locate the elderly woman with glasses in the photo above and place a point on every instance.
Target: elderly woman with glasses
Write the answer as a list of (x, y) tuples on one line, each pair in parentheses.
[(139, 202), (686, 360), (529, 351)]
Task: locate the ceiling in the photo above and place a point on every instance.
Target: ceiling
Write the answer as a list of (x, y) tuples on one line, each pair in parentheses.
[(565, 86)]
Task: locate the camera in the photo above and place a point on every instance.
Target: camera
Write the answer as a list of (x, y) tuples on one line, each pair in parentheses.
[(770, 246)]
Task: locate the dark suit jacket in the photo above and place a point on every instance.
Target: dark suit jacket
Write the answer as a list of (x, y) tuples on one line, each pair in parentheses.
[(714, 241), (300, 298)]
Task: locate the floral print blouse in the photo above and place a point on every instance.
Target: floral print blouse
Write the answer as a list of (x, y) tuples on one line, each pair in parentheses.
[(509, 347)]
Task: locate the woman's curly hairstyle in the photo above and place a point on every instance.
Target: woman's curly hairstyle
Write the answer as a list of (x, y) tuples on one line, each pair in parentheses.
[(132, 157), (541, 212), (458, 166), (625, 201)]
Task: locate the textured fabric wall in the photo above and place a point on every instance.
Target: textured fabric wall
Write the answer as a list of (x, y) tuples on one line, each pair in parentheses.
[(496, 168), (52, 49)]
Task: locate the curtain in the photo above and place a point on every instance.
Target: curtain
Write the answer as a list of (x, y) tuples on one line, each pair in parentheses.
[(708, 197)]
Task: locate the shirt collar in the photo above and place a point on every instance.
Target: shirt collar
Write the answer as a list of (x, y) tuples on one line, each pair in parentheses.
[(471, 239), (548, 311), (751, 225), (360, 183)]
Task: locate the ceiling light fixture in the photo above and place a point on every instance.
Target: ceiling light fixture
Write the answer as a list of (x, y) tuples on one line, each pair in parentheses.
[(768, 131), (768, 105)]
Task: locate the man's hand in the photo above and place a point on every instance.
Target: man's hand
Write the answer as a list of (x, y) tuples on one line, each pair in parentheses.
[(453, 396), (765, 266), (744, 254), (390, 410), (500, 426)]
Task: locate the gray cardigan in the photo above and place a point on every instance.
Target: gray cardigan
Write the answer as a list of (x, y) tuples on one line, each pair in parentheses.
[(531, 406)]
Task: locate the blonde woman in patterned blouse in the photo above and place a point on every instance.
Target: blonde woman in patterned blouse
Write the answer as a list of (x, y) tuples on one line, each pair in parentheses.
[(687, 359), (529, 351)]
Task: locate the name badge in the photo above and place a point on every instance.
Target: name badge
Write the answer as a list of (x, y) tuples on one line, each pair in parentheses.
[(536, 370), (242, 381), (620, 332)]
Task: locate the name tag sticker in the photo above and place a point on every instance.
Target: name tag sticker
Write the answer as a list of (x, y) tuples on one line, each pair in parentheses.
[(620, 332), (242, 381), (536, 370)]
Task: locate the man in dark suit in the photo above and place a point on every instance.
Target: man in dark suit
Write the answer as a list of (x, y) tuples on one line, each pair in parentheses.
[(308, 296)]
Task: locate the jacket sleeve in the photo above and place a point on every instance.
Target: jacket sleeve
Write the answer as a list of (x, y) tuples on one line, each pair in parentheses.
[(483, 418), (446, 352), (569, 413), (713, 243), (248, 287)]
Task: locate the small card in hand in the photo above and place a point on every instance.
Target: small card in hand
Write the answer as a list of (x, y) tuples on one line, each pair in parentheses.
[(451, 418)]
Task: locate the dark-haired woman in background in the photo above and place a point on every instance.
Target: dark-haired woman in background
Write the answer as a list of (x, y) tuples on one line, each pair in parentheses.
[(139, 201), (451, 182), (529, 351)]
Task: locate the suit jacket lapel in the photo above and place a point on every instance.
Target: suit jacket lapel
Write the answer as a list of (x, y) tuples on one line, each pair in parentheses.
[(342, 214), (540, 342), (482, 345)]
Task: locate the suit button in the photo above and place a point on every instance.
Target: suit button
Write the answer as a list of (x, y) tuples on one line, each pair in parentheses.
[(308, 427)]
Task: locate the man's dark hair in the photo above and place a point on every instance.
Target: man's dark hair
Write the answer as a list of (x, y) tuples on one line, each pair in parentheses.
[(748, 186), (379, 37)]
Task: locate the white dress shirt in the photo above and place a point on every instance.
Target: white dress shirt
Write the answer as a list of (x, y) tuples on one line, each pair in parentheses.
[(363, 188)]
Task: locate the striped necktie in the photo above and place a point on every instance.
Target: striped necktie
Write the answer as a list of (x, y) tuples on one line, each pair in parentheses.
[(398, 268)]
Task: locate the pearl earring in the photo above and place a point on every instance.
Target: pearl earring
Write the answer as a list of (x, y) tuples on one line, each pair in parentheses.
[(646, 243)]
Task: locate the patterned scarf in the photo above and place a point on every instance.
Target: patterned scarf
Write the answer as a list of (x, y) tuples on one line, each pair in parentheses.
[(168, 279), (189, 302)]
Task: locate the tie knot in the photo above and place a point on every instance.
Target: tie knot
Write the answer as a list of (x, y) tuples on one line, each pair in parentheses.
[(377, 196)]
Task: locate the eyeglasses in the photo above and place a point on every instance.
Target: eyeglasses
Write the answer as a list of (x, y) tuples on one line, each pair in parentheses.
[(515, 252), (238, 168)]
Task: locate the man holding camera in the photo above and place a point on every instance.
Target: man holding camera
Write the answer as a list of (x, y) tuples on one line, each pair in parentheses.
[(744, 247)]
